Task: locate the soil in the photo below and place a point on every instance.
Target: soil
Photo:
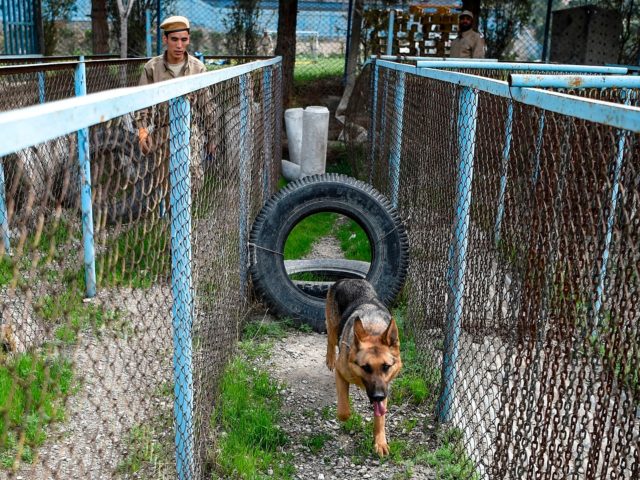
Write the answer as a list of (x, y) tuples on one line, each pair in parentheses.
[(309, 406)]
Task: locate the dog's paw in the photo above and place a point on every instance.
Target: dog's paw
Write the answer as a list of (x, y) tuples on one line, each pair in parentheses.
[(331, 363), (381, 448)]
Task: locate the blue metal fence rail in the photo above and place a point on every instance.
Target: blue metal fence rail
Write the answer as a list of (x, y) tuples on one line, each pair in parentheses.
[(23, 128), (517, 91)]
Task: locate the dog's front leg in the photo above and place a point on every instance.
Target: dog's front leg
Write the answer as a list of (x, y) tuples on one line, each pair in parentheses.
[(379, 436), (342, 391)]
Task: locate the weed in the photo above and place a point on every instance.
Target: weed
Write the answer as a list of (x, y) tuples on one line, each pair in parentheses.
[(136, 258), (149, 449), (418, 381), (249, 413), (450, 461), (301, 239), (354, 242), (315, 443), (32, 394), (327, 413), (6, 270)]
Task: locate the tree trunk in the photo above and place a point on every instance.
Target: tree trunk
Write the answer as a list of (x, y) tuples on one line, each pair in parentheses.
[(352, 59), (124, 11), (286, 45), (99, 27)]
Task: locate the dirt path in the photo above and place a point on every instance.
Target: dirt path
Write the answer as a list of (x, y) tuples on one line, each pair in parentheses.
[(309, 403)]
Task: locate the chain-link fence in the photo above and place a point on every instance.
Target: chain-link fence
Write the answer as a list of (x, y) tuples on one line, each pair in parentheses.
[(523, 279), (121, 302)]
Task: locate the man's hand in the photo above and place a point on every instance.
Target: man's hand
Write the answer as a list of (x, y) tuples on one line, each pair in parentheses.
[(144, 140)]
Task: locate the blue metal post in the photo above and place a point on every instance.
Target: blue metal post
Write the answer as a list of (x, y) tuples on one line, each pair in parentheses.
[(374, 119), (5, 246), (392, 14), (147, 26), (244, 174), (42, 97), (267, 134), (84, 160), (503, 172), (622, 136), (396, 141), (181, 283), (467, 118)]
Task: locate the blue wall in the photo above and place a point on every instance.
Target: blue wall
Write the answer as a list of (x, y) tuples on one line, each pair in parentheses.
[(329, 19)]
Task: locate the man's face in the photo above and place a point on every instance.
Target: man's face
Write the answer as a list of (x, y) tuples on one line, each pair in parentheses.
[(465, 22), (177, 43)]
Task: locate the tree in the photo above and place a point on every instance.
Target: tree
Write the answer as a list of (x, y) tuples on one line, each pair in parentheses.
[(53, 12), (99, 27), (286, 45), (352, 58), (241, 27), (136, 38), (123, 12), (500, 22)]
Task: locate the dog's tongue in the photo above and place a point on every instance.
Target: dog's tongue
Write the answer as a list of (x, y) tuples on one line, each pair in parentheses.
[(378, 409)]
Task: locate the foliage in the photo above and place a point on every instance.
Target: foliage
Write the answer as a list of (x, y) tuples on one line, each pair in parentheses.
[(54, 11), (249, 413), (33, 389), (500, 22), (241, 27), (136, 41)]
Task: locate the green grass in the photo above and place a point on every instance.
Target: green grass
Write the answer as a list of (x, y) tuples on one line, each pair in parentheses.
[(417, 382), (354, 241), (6, 270), (301, 239), (315, 443), (249, 411), (450, 461), (307, 70), (69, 314), (136, 258), (33, 389)]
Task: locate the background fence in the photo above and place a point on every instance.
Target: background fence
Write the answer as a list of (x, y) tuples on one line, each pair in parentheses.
[(523, 223), (158, 259)]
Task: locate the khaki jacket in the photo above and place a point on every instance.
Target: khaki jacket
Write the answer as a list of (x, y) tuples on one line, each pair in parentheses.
[(469, 44), (157, 70)]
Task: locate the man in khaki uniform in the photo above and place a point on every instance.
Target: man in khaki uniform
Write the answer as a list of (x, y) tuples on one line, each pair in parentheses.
[(153, 123), (469, 43), (173, 63)]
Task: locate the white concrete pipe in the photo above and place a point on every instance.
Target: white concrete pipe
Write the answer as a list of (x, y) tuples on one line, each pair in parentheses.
[(315, 132), (293, 125)]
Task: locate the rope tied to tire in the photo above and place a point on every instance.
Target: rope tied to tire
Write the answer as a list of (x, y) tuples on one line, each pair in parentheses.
[(307, 196)]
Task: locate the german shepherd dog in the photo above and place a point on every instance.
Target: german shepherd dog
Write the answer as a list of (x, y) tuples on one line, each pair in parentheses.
[(369, 349)]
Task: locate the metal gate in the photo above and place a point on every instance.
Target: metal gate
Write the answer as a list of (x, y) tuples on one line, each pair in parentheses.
[(20, 20)]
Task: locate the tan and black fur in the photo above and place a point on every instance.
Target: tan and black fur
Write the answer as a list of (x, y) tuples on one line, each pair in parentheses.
[(369, 349)]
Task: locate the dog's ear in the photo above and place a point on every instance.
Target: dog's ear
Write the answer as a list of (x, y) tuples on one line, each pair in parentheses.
[(390, 336), (359, 333)]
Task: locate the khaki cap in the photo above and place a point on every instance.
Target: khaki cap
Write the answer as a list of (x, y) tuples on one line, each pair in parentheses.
[(467, 13), (175, 24)]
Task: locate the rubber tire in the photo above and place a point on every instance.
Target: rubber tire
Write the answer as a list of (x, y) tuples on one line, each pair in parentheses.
[(144, 193), (324, 193)]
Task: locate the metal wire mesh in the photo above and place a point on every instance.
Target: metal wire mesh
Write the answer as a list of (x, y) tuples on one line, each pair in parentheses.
[(87, 387), (27, 85), (523, 279)]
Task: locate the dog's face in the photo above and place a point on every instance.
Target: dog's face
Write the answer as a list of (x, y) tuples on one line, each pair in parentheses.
[(375, 359)]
